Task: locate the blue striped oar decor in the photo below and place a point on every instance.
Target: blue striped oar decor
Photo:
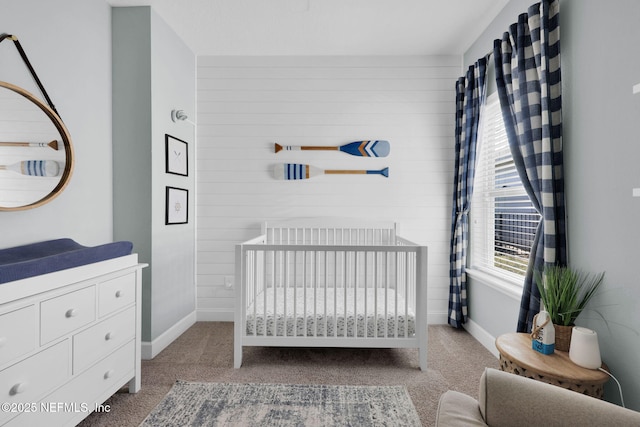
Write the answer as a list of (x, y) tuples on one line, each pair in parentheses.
[(378, 148), (34, 168), (292, 171)]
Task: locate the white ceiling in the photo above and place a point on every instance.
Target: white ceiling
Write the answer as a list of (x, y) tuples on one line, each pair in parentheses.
[(325, 27)]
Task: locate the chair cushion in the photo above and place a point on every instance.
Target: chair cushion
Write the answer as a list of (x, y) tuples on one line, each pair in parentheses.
[(458, 409)]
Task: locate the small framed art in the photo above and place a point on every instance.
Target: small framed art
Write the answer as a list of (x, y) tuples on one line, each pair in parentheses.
[(177, 206), (176, 153)]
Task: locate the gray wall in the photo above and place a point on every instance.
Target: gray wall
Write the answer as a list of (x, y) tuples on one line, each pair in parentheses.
[(599, 68), (173, 85), (71, 55), (153, 73), (133, 166)]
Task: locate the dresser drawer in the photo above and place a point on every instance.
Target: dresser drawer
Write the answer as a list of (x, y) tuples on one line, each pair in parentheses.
[(34, 377), (18, 333), (116, 293), (66, 313), (98, 341), (103, 379)]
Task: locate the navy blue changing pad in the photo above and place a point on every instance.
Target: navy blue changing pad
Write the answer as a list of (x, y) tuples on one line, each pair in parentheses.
[(34, 259)]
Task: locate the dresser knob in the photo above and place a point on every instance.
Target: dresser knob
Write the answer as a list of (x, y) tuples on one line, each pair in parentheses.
[(108, 336), (118, 294), (72, 312), (17, 388), (109, 373)]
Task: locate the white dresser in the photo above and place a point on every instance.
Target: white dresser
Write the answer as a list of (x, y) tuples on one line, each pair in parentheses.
[(68, 341)]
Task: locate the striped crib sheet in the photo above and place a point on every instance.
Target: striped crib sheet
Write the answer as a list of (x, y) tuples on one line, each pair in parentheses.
[(330, 312)]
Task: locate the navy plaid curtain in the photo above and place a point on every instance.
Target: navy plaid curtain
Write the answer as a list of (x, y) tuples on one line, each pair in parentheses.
[(527, 61), (470, 93)]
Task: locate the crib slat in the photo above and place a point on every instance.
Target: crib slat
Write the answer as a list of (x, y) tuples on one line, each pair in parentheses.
[(304, 289), (344, 294), (315, 292), (366, 294), (405, 288), (264, 293), (386, 294), (399, 281), (375, 294), (255, 293), (249, 277), (353, 285), (325, 292), (335, 294), (406, 295), (395, 294), (275, 293), (295, 294), (285, 282)]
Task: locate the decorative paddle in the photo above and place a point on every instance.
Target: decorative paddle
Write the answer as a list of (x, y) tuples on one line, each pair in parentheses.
[(290, 171), (34, 167), (53, 144), (378, 148)]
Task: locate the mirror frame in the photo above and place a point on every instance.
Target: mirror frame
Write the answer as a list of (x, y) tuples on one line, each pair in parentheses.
[(66, 140)]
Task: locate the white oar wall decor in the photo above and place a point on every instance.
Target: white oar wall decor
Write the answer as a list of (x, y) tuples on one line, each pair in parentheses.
[(299, 171)]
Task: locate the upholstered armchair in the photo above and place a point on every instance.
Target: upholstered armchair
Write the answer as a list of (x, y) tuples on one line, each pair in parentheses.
[(506, 399)]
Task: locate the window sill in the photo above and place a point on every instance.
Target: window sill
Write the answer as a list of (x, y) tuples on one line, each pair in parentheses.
[(504, 285)]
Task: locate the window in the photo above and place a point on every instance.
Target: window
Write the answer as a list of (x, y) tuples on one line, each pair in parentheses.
[(503, 219)]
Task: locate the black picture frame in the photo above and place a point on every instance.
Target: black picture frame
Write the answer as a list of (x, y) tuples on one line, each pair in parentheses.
[(176, 155), (176, 206)]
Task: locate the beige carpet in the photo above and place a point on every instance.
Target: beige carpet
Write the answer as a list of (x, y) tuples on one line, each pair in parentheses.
[(205, 353)]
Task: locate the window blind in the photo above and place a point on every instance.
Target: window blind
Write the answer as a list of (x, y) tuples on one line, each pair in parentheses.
[(503, 219)]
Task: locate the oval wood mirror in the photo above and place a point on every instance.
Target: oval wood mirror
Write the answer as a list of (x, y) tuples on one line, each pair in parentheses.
[(36, 156)]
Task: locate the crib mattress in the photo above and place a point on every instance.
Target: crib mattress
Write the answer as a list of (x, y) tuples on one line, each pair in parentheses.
[(343, 315)]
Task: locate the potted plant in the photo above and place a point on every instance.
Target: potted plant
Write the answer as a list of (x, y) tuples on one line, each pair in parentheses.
[(564, 293)]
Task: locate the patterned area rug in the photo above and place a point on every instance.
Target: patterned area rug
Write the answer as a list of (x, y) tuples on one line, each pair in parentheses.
[(215, 404)]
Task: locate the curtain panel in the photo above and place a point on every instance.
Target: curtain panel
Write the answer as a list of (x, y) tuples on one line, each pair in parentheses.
[(470, 94), (527, 62)]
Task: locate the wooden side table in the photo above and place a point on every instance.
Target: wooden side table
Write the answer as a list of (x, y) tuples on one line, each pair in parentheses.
[(517, 356)]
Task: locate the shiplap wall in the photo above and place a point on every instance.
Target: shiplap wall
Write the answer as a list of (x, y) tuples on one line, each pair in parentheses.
[(245, 104)]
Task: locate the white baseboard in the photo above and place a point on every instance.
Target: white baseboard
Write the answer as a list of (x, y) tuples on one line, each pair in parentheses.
[(482, 336), (215, 315), (437, 318), (149, 350)]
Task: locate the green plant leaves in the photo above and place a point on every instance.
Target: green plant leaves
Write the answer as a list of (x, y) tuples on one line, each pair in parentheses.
[(565, 292)]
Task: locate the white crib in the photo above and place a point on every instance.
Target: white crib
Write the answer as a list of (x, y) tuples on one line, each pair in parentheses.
[(331, 283)]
